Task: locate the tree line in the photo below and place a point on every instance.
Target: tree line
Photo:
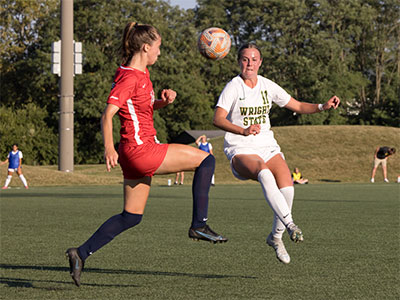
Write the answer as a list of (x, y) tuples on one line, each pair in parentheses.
[(313, 49)]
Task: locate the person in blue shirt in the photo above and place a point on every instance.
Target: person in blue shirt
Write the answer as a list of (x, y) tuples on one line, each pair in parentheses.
[(202, 143), (14, 160)]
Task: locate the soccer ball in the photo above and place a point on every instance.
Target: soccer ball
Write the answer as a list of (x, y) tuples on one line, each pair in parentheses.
[(214, 43)]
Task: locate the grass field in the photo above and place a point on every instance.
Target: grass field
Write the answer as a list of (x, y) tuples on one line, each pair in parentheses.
[(351, 248)]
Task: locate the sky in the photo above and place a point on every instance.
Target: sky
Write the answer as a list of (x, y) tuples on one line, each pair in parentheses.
[(185, 4)]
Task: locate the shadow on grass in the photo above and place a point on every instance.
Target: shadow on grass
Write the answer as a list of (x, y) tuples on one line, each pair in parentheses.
[(58, 195), (29, 283), (329, 180), (132, 272), (331, 201)]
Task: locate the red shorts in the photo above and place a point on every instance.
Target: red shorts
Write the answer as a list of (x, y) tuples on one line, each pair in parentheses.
[(140, 161)]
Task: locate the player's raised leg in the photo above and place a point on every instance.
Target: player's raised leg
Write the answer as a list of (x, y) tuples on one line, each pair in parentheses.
[(186, 158)]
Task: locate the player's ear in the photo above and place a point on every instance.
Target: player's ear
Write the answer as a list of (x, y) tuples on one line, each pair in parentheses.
[(146, 47)]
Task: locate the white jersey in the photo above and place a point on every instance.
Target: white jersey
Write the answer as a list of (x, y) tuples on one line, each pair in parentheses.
[(247, 106)]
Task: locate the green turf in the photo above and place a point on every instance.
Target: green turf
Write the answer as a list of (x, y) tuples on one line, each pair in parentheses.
[(351, 248)]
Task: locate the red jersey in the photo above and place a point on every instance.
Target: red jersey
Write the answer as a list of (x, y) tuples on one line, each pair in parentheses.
[(132, 91)]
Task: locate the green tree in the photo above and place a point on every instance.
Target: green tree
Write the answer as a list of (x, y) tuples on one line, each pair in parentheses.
[(26, 127), (313, 49)]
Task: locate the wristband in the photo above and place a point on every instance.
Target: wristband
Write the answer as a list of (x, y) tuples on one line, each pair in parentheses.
[(321, 107)]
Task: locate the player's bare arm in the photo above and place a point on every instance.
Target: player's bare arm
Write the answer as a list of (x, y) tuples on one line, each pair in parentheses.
[(110, 155), (311, 108), (167, 97), (221, 122)]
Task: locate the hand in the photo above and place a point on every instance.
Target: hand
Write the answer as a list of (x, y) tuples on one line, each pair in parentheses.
[(111, 158), (332, 103), (168, 96), (252, 129)]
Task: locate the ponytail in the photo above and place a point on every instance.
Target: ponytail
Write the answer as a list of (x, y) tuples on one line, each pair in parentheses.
[(134, 37)]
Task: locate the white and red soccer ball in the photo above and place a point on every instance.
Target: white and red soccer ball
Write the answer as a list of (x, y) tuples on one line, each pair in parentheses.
[(214, 43)]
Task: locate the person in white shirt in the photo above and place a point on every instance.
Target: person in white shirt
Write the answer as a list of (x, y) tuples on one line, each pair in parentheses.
[(242, 111)]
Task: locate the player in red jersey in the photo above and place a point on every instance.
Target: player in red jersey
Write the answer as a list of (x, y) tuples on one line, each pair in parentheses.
[(139, 153)]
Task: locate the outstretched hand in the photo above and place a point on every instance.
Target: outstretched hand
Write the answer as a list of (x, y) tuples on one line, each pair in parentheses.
[(332, 103)]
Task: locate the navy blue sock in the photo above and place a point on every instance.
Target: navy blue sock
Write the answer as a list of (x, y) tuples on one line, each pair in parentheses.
[(106, 232), (200, 188)]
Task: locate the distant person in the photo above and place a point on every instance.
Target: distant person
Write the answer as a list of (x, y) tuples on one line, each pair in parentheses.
[(298, 178), (179, 174), (14, 158), (139, 154), (243, 112), (380, 157), (204, 145)]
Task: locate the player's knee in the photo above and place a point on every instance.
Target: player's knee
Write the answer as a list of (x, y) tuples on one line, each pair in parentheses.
[(208, 161), (130, 219)]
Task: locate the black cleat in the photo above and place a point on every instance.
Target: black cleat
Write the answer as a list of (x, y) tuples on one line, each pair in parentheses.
[(75, 265), (205, 233)]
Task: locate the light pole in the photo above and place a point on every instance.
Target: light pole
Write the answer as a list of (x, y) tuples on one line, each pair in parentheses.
[(66, 121)]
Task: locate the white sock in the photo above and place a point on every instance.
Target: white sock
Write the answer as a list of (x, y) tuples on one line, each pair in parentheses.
[(212, 179), (23, 180), (274, 196), (8, 180), (278, 228)]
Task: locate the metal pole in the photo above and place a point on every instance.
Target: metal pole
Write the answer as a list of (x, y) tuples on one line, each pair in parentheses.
[(66, 123)]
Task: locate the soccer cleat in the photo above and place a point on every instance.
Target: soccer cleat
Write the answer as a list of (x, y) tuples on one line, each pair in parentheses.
[(295, 233), (4, 188), (372, 180), (76, 265), (386, 180), (279, 247), (205, 233), (26, 187)]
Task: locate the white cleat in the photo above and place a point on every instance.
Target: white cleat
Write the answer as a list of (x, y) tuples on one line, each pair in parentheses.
[(279, 247), (386, 180), (295, 233), (372, 180)]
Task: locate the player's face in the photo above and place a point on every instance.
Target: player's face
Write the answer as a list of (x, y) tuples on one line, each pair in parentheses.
[(15, 148), (249, 62), (154, 51)]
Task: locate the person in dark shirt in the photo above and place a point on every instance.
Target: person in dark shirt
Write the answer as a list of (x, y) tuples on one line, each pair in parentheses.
[(380, 157)]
